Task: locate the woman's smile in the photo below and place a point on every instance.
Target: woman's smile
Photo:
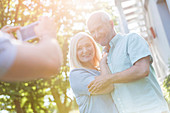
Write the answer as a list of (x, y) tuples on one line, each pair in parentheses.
[(85, 50)]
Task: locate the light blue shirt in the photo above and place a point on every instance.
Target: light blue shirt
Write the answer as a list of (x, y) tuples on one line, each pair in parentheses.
[(7, 53), (141, 96), (79, 80)]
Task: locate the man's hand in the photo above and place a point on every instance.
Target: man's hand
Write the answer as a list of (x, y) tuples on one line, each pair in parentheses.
[(99, 84), (10, 29)]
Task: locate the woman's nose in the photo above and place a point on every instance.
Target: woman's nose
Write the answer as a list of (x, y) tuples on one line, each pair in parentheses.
[(84, 50)]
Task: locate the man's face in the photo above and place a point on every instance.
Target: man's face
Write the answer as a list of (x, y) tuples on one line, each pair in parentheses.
[(101, 32)]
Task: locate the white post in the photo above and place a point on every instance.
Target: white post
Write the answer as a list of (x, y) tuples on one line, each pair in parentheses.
[(124, 25)]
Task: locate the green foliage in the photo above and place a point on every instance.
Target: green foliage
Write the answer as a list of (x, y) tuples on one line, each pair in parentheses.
[(166, 85), (70, 15)]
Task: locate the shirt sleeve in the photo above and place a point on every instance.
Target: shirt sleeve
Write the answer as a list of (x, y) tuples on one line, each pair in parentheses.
[(7, 54), (137, 48), (79, 80)]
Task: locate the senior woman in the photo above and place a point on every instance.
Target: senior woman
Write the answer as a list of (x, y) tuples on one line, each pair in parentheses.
[(85, 56)]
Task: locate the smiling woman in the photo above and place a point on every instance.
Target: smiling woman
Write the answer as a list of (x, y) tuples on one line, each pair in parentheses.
[(85, 51), (84, 60)]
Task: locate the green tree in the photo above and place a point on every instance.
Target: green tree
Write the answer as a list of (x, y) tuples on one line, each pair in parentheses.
[(166, 85), (70, 15)]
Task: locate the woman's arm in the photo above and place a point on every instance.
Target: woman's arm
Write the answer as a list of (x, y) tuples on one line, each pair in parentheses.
[(104, 68), (104, 72)]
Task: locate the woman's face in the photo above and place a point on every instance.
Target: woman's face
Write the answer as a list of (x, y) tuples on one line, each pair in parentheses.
[(85, 51)]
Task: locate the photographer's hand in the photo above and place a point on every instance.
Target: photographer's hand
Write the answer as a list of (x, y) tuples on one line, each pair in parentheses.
[(46, 28), (10, 29)]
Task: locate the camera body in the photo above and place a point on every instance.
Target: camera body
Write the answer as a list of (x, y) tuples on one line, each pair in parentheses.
[(27, 32)]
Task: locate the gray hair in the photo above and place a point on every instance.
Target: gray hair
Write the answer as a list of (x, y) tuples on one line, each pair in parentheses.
[(98, 15)]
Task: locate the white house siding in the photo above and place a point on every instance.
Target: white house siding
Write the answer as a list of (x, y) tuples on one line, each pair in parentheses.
[(160, 45)]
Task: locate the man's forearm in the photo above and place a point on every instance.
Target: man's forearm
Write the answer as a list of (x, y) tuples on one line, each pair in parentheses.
[(132, 74), (139, 70)]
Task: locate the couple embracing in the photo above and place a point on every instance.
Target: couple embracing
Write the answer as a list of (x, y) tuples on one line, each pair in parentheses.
[(122, 81)]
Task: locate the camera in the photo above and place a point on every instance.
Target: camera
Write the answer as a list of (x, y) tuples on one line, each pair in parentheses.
[(27, 32)]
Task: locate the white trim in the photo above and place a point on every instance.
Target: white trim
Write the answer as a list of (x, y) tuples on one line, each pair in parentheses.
[(168, 4)]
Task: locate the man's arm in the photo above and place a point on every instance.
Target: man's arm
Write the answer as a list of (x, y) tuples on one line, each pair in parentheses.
[(139, 70), (37, 61)]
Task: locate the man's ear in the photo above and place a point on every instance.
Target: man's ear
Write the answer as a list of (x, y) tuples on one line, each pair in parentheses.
[(111, 23)]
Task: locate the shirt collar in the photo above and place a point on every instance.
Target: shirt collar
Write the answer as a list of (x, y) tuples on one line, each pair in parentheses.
[(114, 40)]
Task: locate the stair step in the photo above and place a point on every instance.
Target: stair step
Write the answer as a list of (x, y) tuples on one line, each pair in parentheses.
[(134, 19), (136, 24), (133, 13), (129, 7), (138, 27)]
